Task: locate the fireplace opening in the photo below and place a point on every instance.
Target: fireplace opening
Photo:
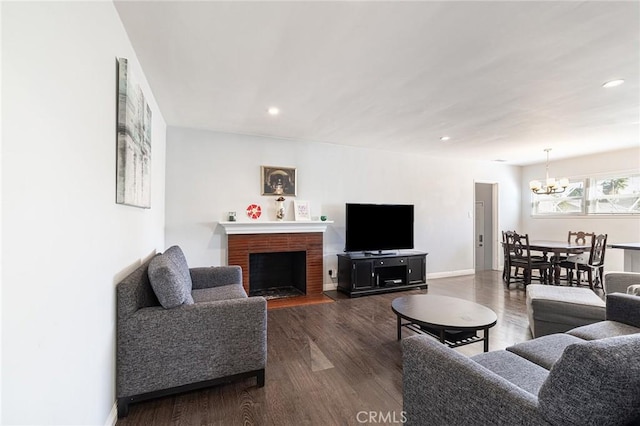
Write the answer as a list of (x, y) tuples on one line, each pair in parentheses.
[(278, 275)]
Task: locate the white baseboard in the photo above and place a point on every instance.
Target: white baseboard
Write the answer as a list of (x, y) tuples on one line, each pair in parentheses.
[(330, 286), (451, 274), (113, 415)]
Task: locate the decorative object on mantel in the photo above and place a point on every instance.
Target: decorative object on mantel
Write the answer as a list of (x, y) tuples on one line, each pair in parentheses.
[(254, 211), (323, 218), (550, 186), (280, 212), (133, 163), (232, 216), (301, 210), (278, 180)]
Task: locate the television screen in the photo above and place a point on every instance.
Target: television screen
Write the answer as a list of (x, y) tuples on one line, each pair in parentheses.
[(377, 227)]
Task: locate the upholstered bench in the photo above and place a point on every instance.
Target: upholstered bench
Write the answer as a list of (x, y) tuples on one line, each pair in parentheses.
[(556, 309)]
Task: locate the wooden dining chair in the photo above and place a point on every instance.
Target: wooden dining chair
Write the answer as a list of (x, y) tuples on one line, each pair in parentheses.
[(577, 238), (592, 264), (520, 257), (510, 272), (506, 271), (580, 237)]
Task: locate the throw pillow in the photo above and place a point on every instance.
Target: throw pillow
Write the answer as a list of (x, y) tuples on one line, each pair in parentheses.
[(167, 282), (180, 261), (595, 382)]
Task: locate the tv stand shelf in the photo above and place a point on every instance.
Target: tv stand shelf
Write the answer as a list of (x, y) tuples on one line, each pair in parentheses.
[(360, 274)]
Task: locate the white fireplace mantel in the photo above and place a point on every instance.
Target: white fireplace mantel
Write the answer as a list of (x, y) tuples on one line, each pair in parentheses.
[(275, 227)]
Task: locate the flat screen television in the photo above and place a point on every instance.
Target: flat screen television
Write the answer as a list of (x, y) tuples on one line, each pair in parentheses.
[(378, 227)]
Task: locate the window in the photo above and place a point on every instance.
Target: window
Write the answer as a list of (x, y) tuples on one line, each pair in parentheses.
[(615, 195), (569, 202), (610, 195)]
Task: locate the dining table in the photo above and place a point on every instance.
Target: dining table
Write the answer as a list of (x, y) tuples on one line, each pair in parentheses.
[(557, 249), (631, 255)]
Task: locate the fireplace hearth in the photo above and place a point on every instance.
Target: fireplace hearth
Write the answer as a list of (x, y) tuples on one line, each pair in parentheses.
[(273, 293)]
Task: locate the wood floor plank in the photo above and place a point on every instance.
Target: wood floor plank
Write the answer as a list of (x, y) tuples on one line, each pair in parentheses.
[(328, 362)]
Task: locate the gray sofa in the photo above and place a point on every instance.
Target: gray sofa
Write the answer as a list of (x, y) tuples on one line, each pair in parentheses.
[(587, 376), (180, 329)]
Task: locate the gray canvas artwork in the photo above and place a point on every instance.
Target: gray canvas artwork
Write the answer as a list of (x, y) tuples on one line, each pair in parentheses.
[(133, 183)]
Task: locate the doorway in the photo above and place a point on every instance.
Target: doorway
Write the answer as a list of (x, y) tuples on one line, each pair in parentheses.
[(485, 235)]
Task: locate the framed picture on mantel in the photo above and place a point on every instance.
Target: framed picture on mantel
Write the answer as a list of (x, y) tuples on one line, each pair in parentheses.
[(278, 180), (301, 210)]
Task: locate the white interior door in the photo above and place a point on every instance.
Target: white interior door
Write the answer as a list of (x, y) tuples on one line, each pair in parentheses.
[(480, 236)]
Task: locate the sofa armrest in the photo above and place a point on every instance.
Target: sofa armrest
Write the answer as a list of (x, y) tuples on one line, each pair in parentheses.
[(215, 276), (624, 308), (442, 386), (618, 282), (164, 348)]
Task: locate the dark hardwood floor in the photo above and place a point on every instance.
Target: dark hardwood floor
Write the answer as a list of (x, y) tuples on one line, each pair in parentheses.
[(334, 363)]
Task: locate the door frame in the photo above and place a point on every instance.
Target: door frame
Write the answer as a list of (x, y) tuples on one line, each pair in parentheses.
[(495, 265)]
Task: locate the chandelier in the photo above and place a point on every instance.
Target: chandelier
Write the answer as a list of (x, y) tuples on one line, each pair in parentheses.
[(551, 186)]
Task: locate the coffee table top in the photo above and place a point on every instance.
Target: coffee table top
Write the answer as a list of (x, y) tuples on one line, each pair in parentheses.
[(444, 312)]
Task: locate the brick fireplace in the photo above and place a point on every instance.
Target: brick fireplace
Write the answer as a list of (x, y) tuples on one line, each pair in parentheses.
[(245, 239)]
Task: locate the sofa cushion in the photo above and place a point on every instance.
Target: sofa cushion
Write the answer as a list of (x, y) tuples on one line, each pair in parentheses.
[(603, 329), (517, 370), (168, 282), (545, 350), (177, 256), (223, 292), (595, 382)]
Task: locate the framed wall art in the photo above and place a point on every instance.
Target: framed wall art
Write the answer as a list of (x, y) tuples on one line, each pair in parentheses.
[(133, 158), (278, 180), (301, 210)]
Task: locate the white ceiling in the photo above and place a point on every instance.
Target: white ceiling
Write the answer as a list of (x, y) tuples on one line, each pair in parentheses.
[(504, 80)]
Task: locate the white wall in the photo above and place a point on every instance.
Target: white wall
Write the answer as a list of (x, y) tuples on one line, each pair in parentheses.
[(65, 242), (209, 174), (620, 229)]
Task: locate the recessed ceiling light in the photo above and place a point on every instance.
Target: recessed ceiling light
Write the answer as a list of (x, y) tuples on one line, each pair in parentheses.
[(613, 83), (273, 110), (445, 138)]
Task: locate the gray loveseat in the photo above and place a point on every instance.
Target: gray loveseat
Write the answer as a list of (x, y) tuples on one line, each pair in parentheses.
[(587, 376), (185, 329)]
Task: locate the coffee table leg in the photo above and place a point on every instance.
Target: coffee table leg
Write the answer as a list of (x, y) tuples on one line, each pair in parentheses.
[(486, 340), (399, 328)]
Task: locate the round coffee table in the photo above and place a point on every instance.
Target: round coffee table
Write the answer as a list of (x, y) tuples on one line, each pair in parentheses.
[(455, 322)]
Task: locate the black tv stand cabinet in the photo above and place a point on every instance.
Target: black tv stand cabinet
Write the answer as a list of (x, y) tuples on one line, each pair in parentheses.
[(360, 274)]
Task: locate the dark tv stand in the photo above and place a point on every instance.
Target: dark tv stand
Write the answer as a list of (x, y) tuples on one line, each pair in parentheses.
[(360, 274)]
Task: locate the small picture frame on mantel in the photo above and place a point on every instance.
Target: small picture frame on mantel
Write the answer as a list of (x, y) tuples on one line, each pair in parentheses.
[(301, 210)]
